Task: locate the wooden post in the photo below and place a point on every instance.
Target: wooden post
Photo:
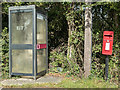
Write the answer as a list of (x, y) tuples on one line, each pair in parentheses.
[(0, 18), (0, 36), (88, 41)]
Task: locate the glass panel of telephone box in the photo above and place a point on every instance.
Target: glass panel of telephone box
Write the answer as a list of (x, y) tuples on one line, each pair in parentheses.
[(41, 39), (22, 33)]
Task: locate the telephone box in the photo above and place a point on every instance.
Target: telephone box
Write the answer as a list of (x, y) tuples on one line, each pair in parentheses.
[(27, 41), (107, 42)]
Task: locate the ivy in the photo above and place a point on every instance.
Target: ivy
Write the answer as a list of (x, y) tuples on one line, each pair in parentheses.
[(5, 52)]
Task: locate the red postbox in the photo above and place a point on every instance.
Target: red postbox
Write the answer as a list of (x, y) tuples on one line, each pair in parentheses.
[(107, 42)]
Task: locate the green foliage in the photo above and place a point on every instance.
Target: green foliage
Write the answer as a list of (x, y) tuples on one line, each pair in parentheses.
[(102, 23), (60, 17), (58, 60), (72, 65), (5, 52)]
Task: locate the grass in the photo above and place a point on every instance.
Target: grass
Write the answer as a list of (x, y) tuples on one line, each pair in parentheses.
[(71, 83)]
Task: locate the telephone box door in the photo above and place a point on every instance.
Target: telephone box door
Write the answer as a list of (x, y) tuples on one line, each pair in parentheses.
[(21, 34)]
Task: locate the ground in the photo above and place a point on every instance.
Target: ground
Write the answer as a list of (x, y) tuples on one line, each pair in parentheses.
[(55, 80)]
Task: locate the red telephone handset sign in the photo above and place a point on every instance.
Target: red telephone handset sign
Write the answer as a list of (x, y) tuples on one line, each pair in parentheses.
[(41, 46), (107, 42)]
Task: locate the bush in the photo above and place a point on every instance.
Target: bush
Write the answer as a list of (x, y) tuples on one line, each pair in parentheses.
[(5, 53)]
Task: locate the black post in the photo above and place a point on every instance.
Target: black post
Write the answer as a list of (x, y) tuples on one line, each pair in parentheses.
[(119, 69), (106, 67)]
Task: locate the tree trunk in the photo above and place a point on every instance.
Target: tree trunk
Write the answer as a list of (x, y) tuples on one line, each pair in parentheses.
[(69, 33), (70, 29), (88, 41)]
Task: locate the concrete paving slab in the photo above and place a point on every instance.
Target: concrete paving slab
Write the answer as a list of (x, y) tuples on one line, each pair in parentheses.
[(22, 81)]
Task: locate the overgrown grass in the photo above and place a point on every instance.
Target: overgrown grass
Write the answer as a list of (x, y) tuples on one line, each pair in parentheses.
[(71, 83)]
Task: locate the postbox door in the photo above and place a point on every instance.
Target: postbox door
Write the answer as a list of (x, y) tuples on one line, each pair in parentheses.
[(107, 43)]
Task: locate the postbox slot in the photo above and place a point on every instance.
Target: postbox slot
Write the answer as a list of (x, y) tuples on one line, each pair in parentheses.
[(108, 35)]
